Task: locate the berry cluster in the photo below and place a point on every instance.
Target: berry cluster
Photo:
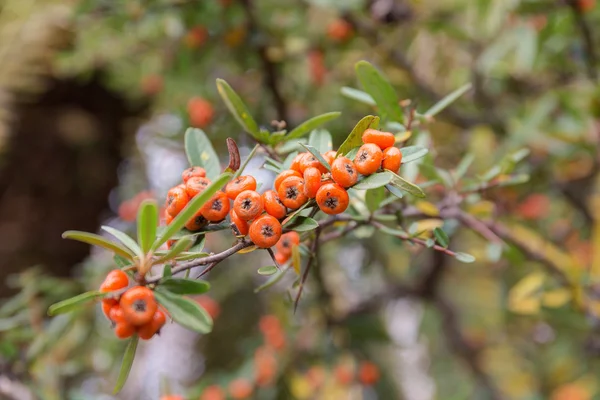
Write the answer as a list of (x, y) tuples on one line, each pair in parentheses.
[(133, 311)]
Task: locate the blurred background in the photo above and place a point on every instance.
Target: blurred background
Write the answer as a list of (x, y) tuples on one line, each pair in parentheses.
[(95, 96)]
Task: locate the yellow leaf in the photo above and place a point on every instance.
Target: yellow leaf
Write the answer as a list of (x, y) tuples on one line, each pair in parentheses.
[(296, 259), (427, 225), (482, 209), (248, 249), (524, 297), (403, 136), (427, 208), (595, 268), (556, 298), (300, 386)]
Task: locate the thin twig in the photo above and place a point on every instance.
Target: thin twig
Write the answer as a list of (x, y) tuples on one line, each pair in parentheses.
[(313, 251)]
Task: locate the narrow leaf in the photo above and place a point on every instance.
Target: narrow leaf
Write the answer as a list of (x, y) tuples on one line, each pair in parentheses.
[(377, 85), (121, 262), (269, 270), (374, 181), (246, 161), (355, 138), (358, 95), (408, 187), (311, 124), (147, 223), (317, 155), (184, 286), (463, 166), (412, 153), (449, 99), (301, 224), (200, 152), (237, 108), (180, 246), (464, 257), (184, 311), (125, 239), (374, 197), (92, 238), (73, 303), (192, 207), (272, 280), (441, 237), (126, 364), (321, 140)]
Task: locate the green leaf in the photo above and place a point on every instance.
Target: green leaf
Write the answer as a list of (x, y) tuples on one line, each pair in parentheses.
[(200, 152), (147, 223), (74, 303), (167, 272), (126, 364), (289, 159), (441, 237), (272, 280), (125, 239), (464, 257), (321, 140), (412, 153), (246, 161), (463, 166), (192, 207), (237, 108), (515, 180), (393, 231), (311, 124), (121, 262), (374, 181), (184, 286), (519, 155), (491, 173), (180, 246), (301, 224), (357, 95), (92, 238), (269, 270), (374, 197), (408, 187), (376, 85), (355, 138), (449, 99), (351, 155), (184, 311), (395, 191), (317, 155)]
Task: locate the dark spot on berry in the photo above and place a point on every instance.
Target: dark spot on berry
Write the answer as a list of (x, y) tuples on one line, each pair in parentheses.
[(331, 202), (267, 231), (363, 156), (217, 205), (139, 306), (247, 204), (291, 193), (349, 168), (170, 200)]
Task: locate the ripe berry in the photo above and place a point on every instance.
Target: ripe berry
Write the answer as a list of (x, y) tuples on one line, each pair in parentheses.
[(115, 280), (240, 389), (197, 222), (148, 330), (392, 158), (108, 305), (368, 159), (291, 192), (213, 392), (285, 174), (312, 182), (191, 172), (273, 204), (248, 205), (381, 139), (168, 218), (344, 374), (368, 373), (329, 156), (195, 185), (196, 37), (287, 242), (138, 305), (123, 328), (332, 199), (238, 185), (281, 259), (296, 162), (311, 161), (316, 66), (216, 208), (177, 199), (344, 172), (200, 112), (265, 231), (339, 30), (240, 224)]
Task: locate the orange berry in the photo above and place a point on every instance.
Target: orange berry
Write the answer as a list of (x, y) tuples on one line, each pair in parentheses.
[(115, 280), (248, 205), (195, 185), (177, 199), (168, 218), (312, 181), (240, 389), (283, 175), (329, 156), (586, 5), (381, 139), (148, 330), (240, 224), (195, 37), (171, 397), (281, 258), (535, 206), (332, 198), (291, 192), (269, 324), (191, 172), (343, 172), (343, 374), (200, 112), (138, 305), (316, 65), (238, 185), (311, 161), (124, 330), (265, 366), (108, 305), (273, 204), (216, 209), (265, 231), (316, 376), (368, 373), (392, 158), (287, 242), (295, 166), (368, 159), (197, 222), (213, 392), (339, 30)]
